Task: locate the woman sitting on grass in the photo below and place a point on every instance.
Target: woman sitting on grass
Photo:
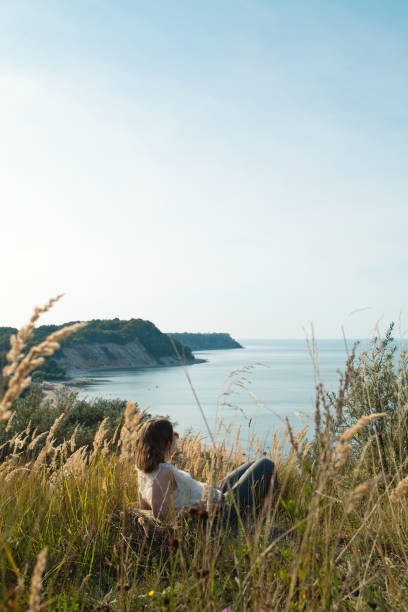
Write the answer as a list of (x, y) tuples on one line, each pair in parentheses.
[(163, 487)]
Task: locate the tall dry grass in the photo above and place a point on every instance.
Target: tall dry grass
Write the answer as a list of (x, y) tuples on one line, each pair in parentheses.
[(20, 365), (333, 538)]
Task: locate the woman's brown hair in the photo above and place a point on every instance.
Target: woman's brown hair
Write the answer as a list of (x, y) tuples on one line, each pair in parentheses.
[(154, 439)]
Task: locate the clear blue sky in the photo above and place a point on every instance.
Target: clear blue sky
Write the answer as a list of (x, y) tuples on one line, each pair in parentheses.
[(228, 165)]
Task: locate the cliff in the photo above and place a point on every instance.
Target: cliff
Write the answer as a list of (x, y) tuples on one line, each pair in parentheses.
[(105, 344), (204, 342), (110, 356)]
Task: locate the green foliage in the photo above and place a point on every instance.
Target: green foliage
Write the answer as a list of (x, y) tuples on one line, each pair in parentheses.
[(50, 369), (202, 341), (5, 333), (378, 383), (33, 412)]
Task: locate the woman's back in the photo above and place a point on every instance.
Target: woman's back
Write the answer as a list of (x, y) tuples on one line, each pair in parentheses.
[(185, 490)]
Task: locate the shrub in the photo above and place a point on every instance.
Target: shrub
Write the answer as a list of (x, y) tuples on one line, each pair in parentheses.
[(378, 383), (34, 413)]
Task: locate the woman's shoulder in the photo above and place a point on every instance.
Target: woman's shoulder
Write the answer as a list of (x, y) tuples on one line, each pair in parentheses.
[(161, 468), (173, 468), (174, 471), (166, 466)]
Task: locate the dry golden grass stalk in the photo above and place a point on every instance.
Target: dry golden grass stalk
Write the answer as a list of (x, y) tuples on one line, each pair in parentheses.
[(358, 493), (72, 442), (36, 582), (317, 414), (48, 446), (399, 490), (53, 428), (347, 435), (297, 440), (343, 448), (10, 420), (131, 422), (18, 341), (35, 357), (17, 470), (75, 464), (99, 438), (20, 366), (35, 440)]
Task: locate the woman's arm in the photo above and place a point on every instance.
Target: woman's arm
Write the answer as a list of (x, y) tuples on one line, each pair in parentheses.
[(163, 486)]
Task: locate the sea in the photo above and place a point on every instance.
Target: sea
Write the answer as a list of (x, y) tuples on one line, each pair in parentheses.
[(253, 389)]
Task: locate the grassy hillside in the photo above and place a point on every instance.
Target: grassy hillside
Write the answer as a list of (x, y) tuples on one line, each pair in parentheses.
[(334, 538)]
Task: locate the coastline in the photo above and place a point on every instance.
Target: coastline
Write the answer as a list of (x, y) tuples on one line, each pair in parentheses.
[(78, 378)]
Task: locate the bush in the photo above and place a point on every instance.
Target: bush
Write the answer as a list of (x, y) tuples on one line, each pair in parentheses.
[(378, 383), (35, 413)]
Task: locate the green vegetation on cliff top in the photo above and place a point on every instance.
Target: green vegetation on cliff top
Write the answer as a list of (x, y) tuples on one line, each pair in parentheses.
[(202, 342)]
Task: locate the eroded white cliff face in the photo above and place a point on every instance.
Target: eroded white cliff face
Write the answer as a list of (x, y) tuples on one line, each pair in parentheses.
[(109, 356)]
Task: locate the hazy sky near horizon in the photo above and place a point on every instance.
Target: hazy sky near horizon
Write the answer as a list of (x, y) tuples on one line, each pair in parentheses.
[(217, 165)]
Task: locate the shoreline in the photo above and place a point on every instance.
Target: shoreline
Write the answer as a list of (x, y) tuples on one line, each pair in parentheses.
[(76, 374), (81, 377)]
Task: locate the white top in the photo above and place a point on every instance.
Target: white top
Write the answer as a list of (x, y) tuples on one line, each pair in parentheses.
[(189, 491)]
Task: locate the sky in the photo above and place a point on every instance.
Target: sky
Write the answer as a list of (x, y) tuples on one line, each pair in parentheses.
[(218, 165)]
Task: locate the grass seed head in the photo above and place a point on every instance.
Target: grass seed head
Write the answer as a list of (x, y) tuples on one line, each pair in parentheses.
[(20, 365), (399, 490), (36, 582)]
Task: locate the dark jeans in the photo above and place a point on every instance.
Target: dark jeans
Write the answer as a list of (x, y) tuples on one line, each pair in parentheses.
[(248, 486)]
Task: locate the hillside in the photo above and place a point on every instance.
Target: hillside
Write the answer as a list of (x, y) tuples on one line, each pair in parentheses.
[(204, 342), (104, 344)]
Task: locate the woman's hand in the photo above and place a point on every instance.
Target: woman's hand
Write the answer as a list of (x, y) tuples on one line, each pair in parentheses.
[(199, 506), (198, 510)]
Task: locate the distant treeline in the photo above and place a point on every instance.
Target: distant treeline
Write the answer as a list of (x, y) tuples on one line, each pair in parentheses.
[(98, 331), (201, 342)]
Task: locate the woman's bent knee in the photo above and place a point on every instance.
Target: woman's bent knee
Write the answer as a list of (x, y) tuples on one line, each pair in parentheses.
[(269, 470), (266, 464)]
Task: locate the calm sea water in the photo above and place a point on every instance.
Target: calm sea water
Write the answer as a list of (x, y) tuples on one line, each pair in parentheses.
[(255, 387)]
